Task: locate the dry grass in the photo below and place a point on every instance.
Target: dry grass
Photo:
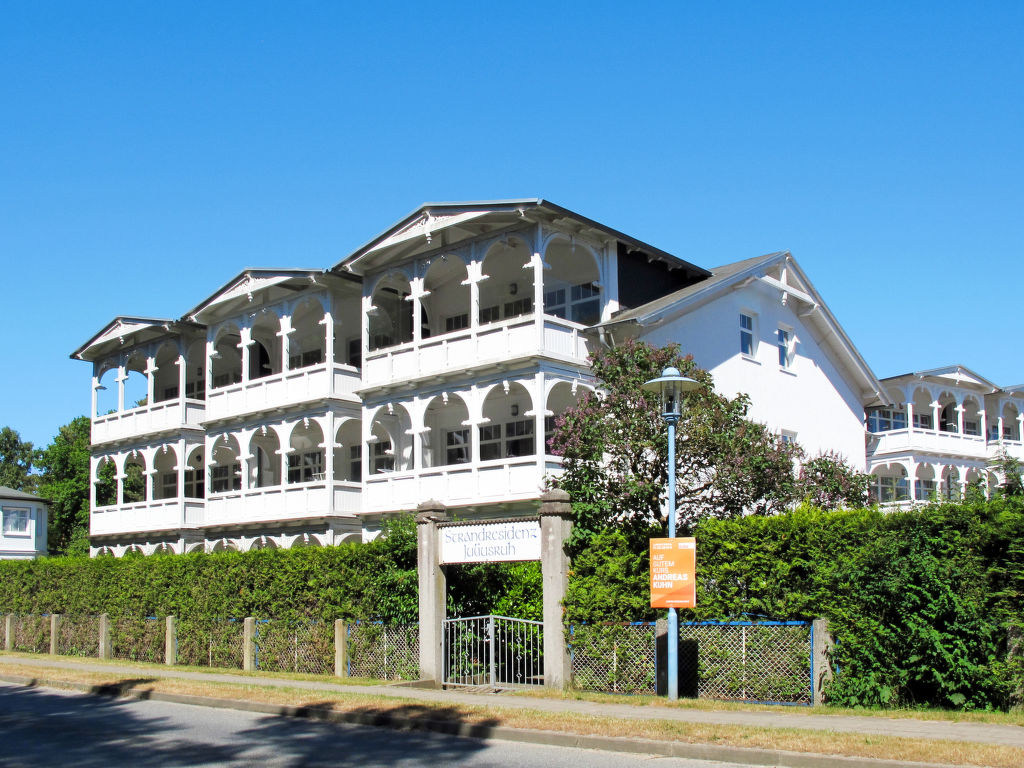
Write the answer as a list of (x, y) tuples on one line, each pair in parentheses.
[(790, 739)]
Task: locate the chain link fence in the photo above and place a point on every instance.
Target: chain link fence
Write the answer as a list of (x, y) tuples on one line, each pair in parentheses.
[(31, 634), (211, 643), (747, 661), (616, 658), (384, 652), (137, 638), (294, 646), (78, 636)]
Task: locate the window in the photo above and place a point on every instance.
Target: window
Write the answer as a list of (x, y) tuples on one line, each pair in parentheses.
[(312, 357), (382, 457), (226, 478), (747, 335), (549, 432), (788, 437), (924, 490), (885, 420), (195, 485), (972, 428), (923, 421), (15, 521), (785, 352), (355, 463), (519, 438), (490, 442), (168, 485), (456, 446), (890, 489), (305, 467), (490, 315), (583, 306), (170, 393), (523, 306), (456, 322)]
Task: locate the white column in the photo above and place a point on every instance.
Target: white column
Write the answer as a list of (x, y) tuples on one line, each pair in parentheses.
[(936, 412), (960, 418), (537, 262), (474, 276), (286, 346), (983, 418), (1020, 426), (245, 348), (910, 416), (182, 456), (95, 396), (912, 482), (330, 438), (210, 350), (999, 425), (328, 324), (151, 370), (94, 464), (365, 333), (122, 376)]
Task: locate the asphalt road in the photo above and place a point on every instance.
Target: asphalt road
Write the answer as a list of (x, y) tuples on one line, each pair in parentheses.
[(43, 727)]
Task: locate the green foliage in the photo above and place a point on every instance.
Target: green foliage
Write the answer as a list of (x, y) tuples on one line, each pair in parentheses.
[(65, 482), (828, 482), (615, 449), (1012, 473), (16, 457), (927, 604)]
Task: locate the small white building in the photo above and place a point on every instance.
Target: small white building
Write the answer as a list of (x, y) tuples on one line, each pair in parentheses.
[(941, 434), (299, 407), (22, 525)]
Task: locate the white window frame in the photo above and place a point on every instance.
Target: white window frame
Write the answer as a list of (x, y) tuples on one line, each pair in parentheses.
[(785, 346), (456, 446), (12, 514), (749, 333)]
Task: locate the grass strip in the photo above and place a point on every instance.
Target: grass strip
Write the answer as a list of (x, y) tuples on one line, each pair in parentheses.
[(382, 707)]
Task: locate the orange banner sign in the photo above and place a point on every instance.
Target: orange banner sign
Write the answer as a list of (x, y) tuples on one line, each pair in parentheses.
[(674, 573)]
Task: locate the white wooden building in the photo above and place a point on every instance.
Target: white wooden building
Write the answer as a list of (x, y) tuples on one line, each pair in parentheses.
[(298, 407), (23, 519)]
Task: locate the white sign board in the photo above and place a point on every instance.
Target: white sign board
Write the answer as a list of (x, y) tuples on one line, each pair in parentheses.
[(490, 542)]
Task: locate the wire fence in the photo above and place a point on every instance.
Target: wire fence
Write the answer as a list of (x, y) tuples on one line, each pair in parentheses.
[(744, 661), (384, 652), (614, 658), (218, 643), (30, 634), (78, 636), (137, 638), (294, 646)]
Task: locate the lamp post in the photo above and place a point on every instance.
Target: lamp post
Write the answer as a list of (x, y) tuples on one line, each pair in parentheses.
[(671, 386)]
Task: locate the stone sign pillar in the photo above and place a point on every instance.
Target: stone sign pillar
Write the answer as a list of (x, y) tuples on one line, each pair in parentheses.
[(555, 527), (432, 586)]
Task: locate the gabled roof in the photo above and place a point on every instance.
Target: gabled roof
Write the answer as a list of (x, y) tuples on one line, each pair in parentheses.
[(433, 225), (126, 331), (10, 493), (957, 374), (275, 282), (738, 273)]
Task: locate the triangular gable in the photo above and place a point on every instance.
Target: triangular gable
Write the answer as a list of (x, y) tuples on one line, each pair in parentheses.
[(426, 226), (244, 286), (121, 331), (958, 375)]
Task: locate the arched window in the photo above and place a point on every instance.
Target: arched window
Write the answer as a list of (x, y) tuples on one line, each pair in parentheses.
[(165, 382), (507, 430), (227, 357), (307, 343), (265, 350), (348, 452), (571, 288), (507, 290), (166, 465), (446, 439), (226, 471), (391, 315), (135, 479), (447, 302), (136, 386), (106, 483), (266, 461), (195, 475), (306, 457), (560, 399)]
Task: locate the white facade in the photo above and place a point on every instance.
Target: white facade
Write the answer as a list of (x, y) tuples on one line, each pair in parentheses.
[(23, 520), (941, 434), (300, 407)]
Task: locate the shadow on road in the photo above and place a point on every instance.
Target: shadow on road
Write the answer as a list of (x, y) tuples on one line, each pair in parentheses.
[(42, 727), (423, 736)]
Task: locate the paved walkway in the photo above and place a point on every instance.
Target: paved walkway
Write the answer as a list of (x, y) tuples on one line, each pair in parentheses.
[(1008, 735)]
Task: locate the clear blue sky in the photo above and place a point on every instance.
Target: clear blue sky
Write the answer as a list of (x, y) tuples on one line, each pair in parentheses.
[(150, 151)]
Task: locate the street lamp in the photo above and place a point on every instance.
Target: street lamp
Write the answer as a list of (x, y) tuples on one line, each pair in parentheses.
[(671, 386)]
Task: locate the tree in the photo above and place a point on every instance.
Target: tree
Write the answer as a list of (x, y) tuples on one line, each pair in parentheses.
[(1011, 472), (65, 482), (615, 447), (16, 457), (828, 482)]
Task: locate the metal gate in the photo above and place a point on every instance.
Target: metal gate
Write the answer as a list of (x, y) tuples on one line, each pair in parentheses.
[(493, 651)]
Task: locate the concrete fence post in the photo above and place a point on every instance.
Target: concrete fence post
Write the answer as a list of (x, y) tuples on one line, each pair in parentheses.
[(54, 630), (555, 527), (171, 641), (340, 648), (432, 586), (9, 632), (248, 643), (104, 643), (821, 659)]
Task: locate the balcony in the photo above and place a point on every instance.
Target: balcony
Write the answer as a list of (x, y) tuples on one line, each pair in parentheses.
[(898, 441), (146, 516), (280, 390), (468, 348), (165, 416), (282, 503), (459, 485)]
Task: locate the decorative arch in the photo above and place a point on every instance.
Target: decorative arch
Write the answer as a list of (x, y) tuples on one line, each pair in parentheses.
[(165, 466), (307, 343), (948, 421), (972, 407), (506, 431), (105, 481), (135, 479), (265, 346), (226, 358), (348, 452), (165, 378), (889, 483), (446, 434), (390, 317), (106, 391), (306, 452), (265, 466), (446, 304), (561, 396), (572, 282), (225, 472), (389, 445), (195, 370), (136, 383), (507, 288)]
